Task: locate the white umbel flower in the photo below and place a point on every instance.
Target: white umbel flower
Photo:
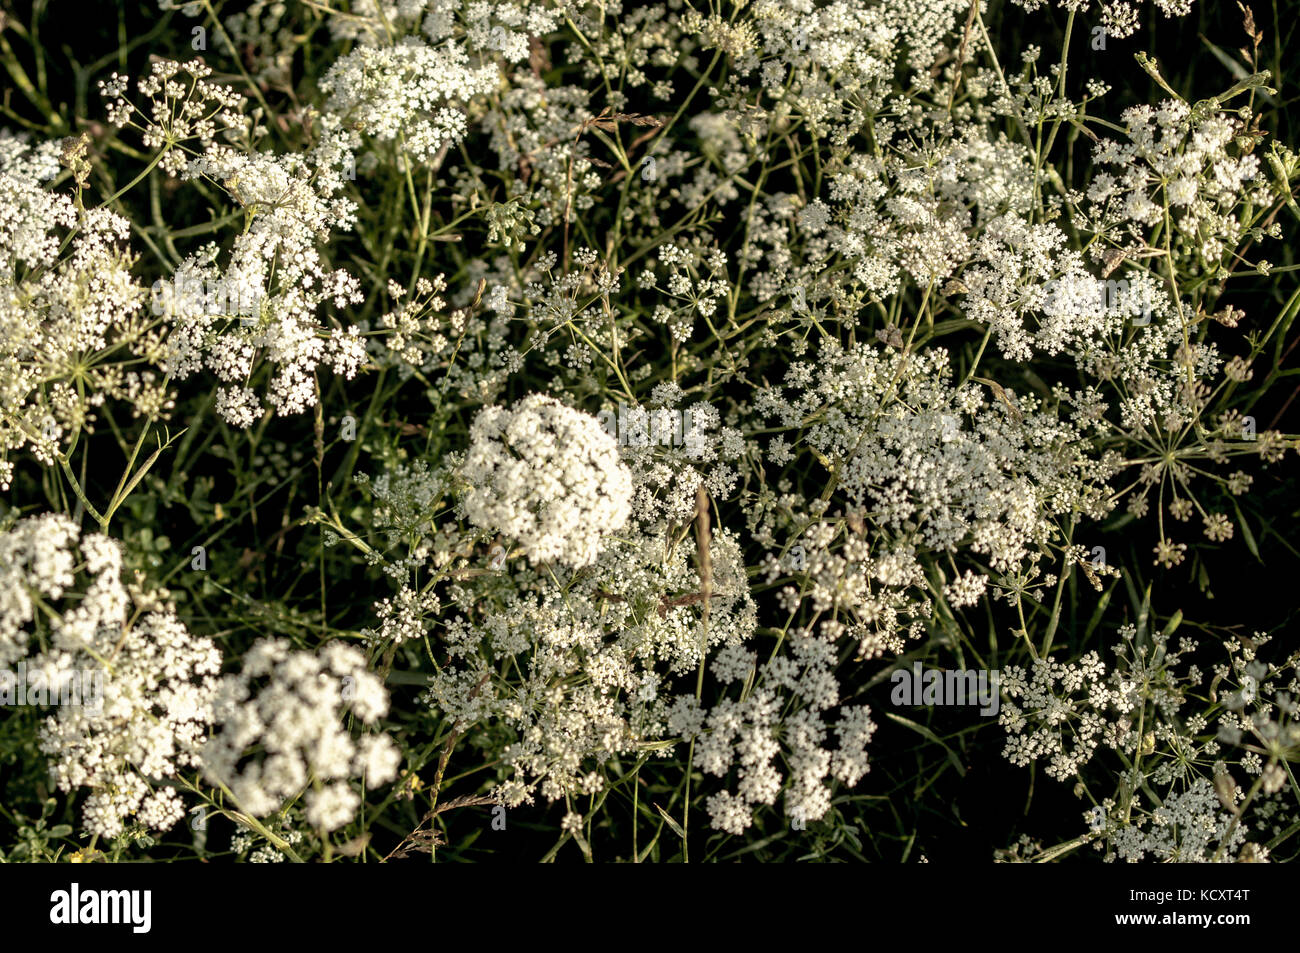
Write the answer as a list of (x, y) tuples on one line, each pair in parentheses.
[(547, 476), (131, 699), (290, 705), (410, 92)]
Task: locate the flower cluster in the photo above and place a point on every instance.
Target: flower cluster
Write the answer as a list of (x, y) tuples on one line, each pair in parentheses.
[(630, 389), (547, 476), (288, 705), (749, 733), (70, 308), (1058, 712), (151, 683)]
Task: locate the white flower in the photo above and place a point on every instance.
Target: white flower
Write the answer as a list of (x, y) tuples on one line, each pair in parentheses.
[(547, 476), (135, 700), (296, 721), (410, 91)]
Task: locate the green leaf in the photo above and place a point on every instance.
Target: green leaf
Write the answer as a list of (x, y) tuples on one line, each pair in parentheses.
[(1102, 603), (676, 828), (1174, 621), (1246, 534), (1232, 66), (929, 735)]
